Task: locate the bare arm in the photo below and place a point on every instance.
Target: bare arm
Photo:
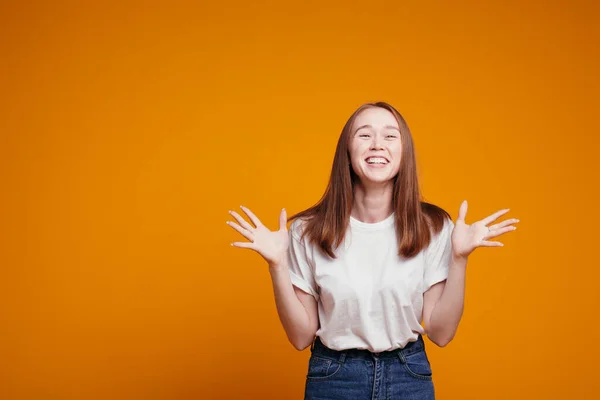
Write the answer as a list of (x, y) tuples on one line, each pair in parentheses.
[(443, 304), (297, 310)]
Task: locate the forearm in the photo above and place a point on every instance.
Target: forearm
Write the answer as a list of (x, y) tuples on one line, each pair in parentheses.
[(448, 310), (291, 311)]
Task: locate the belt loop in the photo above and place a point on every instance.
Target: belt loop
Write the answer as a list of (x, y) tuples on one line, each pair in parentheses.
[(312, 345), (342, 357)]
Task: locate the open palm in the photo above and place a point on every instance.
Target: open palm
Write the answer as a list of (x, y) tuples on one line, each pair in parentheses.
[(466, 238), (271, 245)]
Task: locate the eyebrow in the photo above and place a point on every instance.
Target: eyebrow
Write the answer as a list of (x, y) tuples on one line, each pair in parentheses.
[(369, 126)]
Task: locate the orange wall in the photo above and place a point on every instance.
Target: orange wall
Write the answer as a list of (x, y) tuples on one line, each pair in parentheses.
[(128, 131)]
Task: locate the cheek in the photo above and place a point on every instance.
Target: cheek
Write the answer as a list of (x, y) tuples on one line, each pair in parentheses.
[(397, 159), (398, 154), (356, 152)]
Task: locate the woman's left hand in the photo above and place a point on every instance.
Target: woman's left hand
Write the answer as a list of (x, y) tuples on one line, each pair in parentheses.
[(466, 238)]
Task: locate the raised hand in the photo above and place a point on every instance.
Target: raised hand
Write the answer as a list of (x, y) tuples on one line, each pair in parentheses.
[(271, 245), (466, 238)]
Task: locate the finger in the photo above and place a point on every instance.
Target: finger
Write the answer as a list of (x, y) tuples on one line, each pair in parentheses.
[(485, 243), (241, 220), (283, 220), (504, 223), (252, 217), (494, 216), (462, 211), (245, 232), (498, 232), (245, 245)]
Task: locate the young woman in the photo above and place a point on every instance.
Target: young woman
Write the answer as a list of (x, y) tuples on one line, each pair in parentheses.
[(359, 273)]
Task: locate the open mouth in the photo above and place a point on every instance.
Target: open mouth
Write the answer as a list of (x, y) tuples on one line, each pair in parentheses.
[(377, 160)]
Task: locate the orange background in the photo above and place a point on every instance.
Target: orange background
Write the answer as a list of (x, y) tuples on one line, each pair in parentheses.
[(129, 130)]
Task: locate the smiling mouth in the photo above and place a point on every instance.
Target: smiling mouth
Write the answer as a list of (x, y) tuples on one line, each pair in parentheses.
[(377, 160)]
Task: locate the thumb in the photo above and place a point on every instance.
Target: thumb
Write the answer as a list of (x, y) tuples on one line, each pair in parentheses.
[(462, 212), (283, 220)]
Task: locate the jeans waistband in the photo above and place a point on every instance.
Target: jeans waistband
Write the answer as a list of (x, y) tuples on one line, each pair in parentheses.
[(319, 348)]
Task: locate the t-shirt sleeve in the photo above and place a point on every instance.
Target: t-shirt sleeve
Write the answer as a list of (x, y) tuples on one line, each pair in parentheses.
[(438, 256), (300, 268)]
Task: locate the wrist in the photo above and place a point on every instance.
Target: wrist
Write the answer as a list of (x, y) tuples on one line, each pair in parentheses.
[(277, 266), (459, 260)]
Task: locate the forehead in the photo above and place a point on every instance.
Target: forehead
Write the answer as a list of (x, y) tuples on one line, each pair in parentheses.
[(376, 117)]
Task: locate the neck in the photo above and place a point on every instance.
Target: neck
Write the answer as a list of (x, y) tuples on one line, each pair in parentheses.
[(372, 203)]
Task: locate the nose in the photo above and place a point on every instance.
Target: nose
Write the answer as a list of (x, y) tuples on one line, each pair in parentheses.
[(375, 143)]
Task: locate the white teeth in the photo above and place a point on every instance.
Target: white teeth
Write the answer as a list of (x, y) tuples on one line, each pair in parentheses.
[(376, 160)]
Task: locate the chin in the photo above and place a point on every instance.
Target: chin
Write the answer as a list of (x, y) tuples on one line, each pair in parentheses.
[(366, 180)]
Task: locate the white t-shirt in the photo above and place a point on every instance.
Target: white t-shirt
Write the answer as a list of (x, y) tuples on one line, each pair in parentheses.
[(368, 297)]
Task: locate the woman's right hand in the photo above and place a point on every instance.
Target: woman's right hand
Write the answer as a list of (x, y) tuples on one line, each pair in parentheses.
[(271, 245)]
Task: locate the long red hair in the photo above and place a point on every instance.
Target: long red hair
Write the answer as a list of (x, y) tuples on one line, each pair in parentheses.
[(415, 220)]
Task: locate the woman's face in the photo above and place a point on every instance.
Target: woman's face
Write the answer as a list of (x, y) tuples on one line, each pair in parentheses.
[(375, 148)]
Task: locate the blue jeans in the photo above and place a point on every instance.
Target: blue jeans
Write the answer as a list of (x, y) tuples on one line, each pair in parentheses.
[(402, 374)]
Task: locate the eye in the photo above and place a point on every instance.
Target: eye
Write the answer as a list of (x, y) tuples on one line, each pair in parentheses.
[(392, 136), (363, 135)]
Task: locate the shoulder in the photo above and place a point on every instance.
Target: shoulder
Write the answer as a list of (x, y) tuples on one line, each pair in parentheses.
[(298, 225), (442, 231), (297, 228), (447, 227), (438, 220), (434, 214), (441, 240)]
